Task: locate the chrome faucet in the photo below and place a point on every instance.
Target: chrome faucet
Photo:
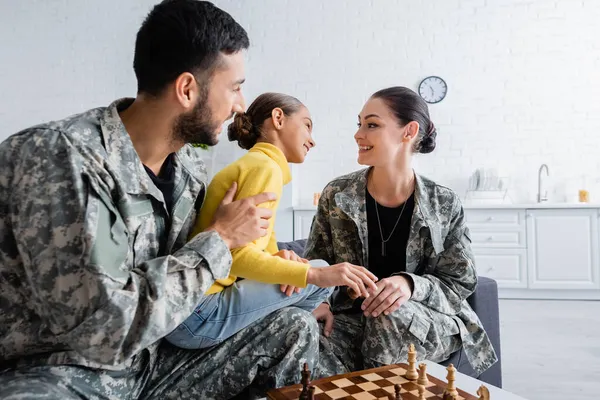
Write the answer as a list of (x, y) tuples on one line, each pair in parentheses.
[(541, 198)]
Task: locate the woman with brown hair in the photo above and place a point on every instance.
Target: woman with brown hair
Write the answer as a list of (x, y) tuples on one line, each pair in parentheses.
[(411, 233)]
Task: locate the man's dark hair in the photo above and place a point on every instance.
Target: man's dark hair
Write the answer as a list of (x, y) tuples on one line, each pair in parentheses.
[(181, 36)]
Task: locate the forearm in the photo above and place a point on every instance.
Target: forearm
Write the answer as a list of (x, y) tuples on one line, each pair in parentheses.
[(251, 263)]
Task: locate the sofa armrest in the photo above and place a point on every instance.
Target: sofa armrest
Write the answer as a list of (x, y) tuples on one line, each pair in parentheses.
[(485, 304)]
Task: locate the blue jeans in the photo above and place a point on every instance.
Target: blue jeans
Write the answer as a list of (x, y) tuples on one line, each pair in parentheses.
[(221, 315)]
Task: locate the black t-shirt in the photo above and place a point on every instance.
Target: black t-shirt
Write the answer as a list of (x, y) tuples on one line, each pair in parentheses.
[(384, 263), (165, 181)]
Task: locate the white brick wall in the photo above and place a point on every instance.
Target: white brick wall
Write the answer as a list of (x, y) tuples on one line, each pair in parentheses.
[(523, 76)]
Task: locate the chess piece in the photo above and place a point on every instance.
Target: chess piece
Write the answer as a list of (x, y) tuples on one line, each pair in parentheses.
[(448, 396), (311, 393), (305, 382), (411, 373), (483, 393), (422, 392), (451, 389), (422, 375), (397, 389)]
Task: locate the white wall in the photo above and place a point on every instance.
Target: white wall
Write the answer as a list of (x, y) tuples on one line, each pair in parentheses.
[(524, 86)]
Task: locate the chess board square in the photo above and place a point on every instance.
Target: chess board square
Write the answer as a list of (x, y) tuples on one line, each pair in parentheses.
[(398, 371), (386, 374), (326, 386), (336, 393), (410, 386), (363, 396), (379, 393), (383, 383), (436, 389), (368, 386), (353, 389), (341, 383), (397, 379), (372, 377), (409, 396), (357, 379)]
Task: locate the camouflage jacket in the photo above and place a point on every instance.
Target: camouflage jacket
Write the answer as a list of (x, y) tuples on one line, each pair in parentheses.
[(438, 255), (83, 277)]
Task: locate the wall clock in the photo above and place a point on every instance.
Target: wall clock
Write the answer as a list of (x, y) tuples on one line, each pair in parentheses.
[(433, 89)]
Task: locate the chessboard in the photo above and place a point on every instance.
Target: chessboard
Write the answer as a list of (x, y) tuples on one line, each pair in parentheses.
[(376, 383)]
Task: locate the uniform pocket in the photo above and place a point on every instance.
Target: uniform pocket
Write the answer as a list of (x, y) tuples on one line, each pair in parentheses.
[(419, 327)]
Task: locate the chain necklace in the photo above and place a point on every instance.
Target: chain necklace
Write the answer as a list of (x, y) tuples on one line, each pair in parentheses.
[(384, 241)]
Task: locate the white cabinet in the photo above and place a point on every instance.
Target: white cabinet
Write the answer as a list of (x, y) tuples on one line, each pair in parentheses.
[(538, 252), (507, 267), (302, 223), (499, 242), (563, 249)]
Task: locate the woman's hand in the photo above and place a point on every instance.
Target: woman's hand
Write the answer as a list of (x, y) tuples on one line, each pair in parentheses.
[(360, 279), (391, 293), (290, 255), (323, 313)]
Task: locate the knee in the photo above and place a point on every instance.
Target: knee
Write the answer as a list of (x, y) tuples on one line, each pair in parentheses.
[(299, 324)]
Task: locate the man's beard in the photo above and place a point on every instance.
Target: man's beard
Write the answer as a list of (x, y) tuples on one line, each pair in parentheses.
[(197, 126)]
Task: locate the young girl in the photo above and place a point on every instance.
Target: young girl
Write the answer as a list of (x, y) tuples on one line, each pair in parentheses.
[(277, 130)]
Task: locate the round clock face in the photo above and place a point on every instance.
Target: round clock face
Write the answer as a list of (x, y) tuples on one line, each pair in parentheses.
[(433, 89)]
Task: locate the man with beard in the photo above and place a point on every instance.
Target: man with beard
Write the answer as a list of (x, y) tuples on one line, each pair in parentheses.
[(95, 212)]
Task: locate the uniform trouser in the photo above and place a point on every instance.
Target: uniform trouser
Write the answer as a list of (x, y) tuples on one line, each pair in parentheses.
[(270, 353), (358, 342)]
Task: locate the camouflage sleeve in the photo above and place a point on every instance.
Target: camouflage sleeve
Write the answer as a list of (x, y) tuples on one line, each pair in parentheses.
[(319, 244), (454, 276), (75, 251)]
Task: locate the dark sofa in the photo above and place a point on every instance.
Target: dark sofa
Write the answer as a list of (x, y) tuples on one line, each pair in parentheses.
[(484, 302)]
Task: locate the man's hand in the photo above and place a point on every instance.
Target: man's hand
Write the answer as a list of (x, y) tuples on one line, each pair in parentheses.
[(323, 313), (391, 293), (290, 255), (241, 222)]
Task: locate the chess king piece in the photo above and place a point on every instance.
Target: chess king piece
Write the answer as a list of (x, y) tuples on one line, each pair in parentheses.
[(451, 388), (411, 373), (483, 393), (422, 375), (305, 383)]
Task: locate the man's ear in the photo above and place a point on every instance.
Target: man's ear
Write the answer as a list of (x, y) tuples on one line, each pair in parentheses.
[(186, 90)]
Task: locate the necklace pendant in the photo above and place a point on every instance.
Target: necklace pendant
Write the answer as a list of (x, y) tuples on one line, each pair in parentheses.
[(383, 249)]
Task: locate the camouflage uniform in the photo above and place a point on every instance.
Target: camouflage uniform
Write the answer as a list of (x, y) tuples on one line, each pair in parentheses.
[(437, 318), (91, 279)]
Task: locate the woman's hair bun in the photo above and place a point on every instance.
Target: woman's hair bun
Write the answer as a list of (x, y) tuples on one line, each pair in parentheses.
[(427, 144)]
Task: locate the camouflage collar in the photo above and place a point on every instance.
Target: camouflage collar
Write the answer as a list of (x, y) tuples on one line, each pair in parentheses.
[(123, 156), (121, 153), (352, 201)]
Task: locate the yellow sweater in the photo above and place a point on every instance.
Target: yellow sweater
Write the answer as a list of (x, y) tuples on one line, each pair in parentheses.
[(263, 169)]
